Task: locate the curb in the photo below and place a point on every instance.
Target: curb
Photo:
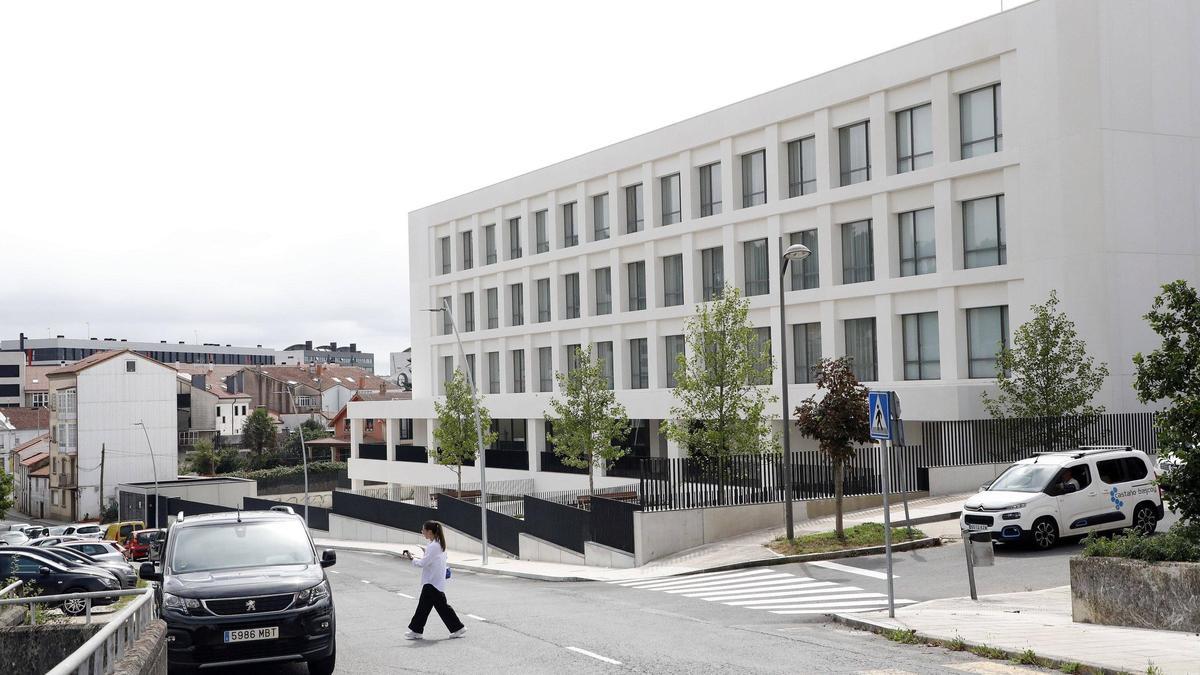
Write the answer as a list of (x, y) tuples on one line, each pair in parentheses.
[(927, 542), (461, 566)]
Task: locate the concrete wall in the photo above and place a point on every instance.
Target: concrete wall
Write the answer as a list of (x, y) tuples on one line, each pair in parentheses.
[(353, 529), (147, 656), (533, 548), (1121, 592), (599, 555), (949, 480), (660, 533)]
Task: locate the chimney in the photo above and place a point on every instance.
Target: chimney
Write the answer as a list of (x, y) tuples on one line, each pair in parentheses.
[(332, 346), (22, 342), (320, 370), (308, 345), (383, 388), (353, 347)]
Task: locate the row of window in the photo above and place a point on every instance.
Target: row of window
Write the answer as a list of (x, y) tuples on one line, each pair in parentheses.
[(984, 244), (987, 331), (980, 132)]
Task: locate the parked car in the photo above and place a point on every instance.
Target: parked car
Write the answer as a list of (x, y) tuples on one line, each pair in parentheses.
[(245, 586), (142, 543), (85, 530), (14, 538), (125, 572), (35, 531), (54, 541), (1066, 494), (55, 531), (100, 550), (13, 526), (54, 578), (73, 560), (121, 531)]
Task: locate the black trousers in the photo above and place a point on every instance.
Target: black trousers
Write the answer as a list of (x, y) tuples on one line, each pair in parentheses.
[(432, 598)]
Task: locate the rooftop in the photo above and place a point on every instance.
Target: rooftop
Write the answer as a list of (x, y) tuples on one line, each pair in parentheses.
[(24, 419)]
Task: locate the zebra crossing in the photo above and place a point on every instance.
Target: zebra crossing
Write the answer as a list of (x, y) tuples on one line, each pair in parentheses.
[(768, 590)]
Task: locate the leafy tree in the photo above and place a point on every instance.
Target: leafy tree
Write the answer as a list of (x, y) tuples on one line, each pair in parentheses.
[(229, 460), (1172, 372), (258, 433), (719, 410), (203, 460), (837, 421), (291, 446), (6, 492), (457, 440), (588, 418), (1048, 379)]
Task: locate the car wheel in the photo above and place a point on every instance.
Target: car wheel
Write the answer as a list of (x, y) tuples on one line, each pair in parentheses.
[(74, 606), (323, 666), (1044, 534), (1145, 519)]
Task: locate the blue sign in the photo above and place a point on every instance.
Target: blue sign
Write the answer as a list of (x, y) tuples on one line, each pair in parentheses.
[(879, 407)]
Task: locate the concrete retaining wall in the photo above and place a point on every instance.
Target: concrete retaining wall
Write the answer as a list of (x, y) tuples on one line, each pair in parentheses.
[(533, 548), (950, 480), (37, 649), (599, 555), (147, 656), (342, 527), (1122, 592)]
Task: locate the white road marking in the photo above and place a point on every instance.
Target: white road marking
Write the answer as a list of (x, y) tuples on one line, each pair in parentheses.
[(660, 583), (849, 606), (708, 583), (335, 571), (594, 655), (364, 581), (769, 590), (477, 618), (774, 581), (852, 570), (786, 603), (754, 597), (689, 577), (405, 595)]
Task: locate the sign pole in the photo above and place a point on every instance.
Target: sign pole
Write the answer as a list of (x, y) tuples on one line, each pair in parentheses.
[(966, 537), (887, 525)]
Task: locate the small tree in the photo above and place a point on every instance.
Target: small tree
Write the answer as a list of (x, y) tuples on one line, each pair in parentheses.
[(258, 433), (456, 437), (204, 460), (291, 447), (838, 421), (719, 410), (1047, 376), (588, 418), (1172, 372), (6, 492), (229, 460)]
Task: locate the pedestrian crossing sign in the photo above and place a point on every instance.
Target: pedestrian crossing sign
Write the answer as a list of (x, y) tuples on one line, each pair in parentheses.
[(878, 405)]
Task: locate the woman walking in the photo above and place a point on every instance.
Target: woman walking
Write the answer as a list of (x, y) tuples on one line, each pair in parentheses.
[(433, 585)]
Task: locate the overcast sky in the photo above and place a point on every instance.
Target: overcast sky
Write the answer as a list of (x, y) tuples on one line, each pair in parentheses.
[(241, 172)]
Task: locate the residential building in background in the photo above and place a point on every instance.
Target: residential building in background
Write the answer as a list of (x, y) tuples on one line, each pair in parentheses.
[(31, 477), (12, 379), (208, 410), (293, 394), (18, 426), (300, 354), (943, 188)]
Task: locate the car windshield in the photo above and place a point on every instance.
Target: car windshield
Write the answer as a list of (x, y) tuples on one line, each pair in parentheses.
[(207, 548), (1024, 478)]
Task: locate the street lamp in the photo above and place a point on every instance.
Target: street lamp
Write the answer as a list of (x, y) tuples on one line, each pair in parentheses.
[(303, 451), (153, 468), (482, 461), (795, 252)]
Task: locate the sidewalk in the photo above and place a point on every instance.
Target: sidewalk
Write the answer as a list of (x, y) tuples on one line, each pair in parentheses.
[(1040, 621), (746, 548)]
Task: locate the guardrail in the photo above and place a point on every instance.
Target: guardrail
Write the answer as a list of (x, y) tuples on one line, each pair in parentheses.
[(99, 655), (55, 599), (10, 588)]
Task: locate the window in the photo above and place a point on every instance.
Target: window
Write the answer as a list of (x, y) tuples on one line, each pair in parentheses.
[(710, 189), (983, 232), (854, 149), (471, 368), (604, 357), (979, 121), (712, 269), (914, 138), (802, 167), (493, 359), (762, 373), (543, 298), (603, 290), (860, 347), (987, 331), (573, 358), (754, 178), (600, 217), (757, 268), (447, 306), (858, 258), (346, 425), (370, 424), (639, 373), (517, 299), (543, 239), (805, 273), (636, 276), (514, 238), (467, 252), (468, 315), (545, 369), (918, 253), (570, 234), (674, 349), (489, 244), (633, 209), (492, 296), (571, 284), (806, 348), (672, 280), (1121, 470), (518, 370), (671, 211), (131, 366), (922, 357), (447, 369), (444, 247)]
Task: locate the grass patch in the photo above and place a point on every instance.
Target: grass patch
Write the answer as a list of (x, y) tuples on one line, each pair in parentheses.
[(1027, 658), (904, 637), (988, 652), (859, 536), (956, 645), (1070, 668)]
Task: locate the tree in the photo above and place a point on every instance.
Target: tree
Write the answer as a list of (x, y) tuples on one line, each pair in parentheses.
[(229, 460), (6, 492), (588, 418), (1172, 372), (838, 421), (1048, 379), (258, 433), (457, 441), (719, 410), (291, 445), (204, 460)]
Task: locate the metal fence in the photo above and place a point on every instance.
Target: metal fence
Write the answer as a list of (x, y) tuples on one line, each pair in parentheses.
[(381, 511), (103, 650), (503, 531), (612, 523), (318, 517), (1008, 440), (560, 524)]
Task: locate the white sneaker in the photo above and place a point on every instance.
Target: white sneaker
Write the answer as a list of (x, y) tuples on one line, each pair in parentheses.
[(413, 636), (461, 632)]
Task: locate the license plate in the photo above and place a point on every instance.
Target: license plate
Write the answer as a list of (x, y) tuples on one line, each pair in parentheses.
[(250, 634), (976, 527)]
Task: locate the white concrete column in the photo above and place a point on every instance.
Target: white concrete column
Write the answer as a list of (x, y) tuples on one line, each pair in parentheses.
[(775, 248), (884, 238), (675, 450), (944, 138), (949, 324), (535, 441), (880, 168), (653, 276), (888, 348), (688, 190), (826, 151), (776, 179), (356, 437), (728, 164), (829, 248), (650, 208), (947, 238), (691, 271), (833, 344), (391, 434)]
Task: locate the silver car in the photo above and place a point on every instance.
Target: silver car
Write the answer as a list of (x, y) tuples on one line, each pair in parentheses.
[(123, 570), (85, 530), (53, 541), (100, 550), (15, 538)]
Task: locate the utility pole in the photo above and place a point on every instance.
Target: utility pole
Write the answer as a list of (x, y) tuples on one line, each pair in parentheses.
[(102, 449)]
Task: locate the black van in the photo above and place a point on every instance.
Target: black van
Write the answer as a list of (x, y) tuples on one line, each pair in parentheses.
[(242, 588)]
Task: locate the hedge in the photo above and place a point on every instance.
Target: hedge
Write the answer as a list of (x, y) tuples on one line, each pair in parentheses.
[(285, 472), (1179, 544)]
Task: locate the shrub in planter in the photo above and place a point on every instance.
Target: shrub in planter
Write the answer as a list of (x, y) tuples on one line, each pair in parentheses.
[(1180, 544)]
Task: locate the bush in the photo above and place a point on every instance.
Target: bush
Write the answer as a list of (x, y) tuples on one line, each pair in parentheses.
[(284, 472), (229, 460), (1179, 544), (109, 513)]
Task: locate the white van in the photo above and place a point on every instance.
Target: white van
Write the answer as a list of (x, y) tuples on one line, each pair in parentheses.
[(1065, 494)]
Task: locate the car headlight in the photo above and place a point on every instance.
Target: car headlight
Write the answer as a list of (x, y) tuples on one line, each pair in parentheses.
[(179, 604), (311, 596), (1015, 515), (1015, 507)]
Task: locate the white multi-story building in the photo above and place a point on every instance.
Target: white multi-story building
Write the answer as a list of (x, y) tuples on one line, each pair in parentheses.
[(943, 187)]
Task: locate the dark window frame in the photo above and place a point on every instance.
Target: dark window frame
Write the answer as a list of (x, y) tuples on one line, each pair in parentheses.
[(710, 190), (906, 163), (911, 266), (798, 183), (751, 196), (848, 174)]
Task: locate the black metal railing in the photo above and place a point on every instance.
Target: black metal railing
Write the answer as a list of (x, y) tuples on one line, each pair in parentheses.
[(318, 517), (556, 523), (1008, 440), (612, 523), (552, 462), (412, 453), (372, 451), (507, 459)]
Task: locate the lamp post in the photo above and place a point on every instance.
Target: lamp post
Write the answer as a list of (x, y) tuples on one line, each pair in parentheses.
[(795, 252), (482, 460), (153, 468), (303, 450)]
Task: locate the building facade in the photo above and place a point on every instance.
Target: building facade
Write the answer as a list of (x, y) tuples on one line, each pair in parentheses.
[(17, 426), (60, 351), (943, 187), (12, 379), (301, 354)]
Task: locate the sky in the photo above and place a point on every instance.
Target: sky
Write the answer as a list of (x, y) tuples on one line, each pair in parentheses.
[(241, 172)]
